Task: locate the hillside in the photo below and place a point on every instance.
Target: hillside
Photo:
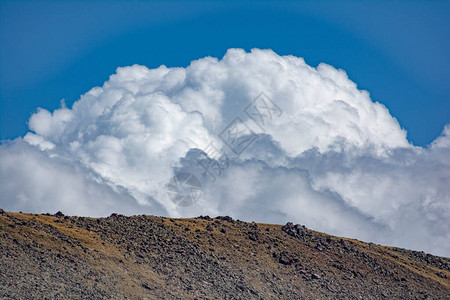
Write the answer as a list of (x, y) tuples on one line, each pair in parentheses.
[(138, 257)]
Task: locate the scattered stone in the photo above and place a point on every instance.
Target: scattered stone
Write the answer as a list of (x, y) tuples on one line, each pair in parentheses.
[(59, 214), (284, 258), (319, 246), (297, 231), (225, 218), (253, 235), (146, 286), (140, 253)]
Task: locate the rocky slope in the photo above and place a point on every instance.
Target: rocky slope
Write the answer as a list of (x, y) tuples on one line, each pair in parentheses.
[(147, 257)]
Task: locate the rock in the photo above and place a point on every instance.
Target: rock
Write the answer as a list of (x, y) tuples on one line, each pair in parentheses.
[(59, 214), (319, 246), (225, 218), (297, 231), (253, 235), (146, 286), (284, 259)]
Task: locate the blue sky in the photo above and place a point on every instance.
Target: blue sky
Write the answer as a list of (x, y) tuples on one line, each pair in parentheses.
[(397, 51)]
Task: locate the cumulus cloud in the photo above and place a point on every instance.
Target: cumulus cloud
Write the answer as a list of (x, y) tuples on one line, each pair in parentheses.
[(270, 138)]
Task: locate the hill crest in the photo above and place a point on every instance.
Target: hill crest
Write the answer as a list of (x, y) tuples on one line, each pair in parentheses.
[(57, 256)]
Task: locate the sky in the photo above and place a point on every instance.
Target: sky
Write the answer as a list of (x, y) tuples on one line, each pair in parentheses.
[(328, 114), (398, 51)]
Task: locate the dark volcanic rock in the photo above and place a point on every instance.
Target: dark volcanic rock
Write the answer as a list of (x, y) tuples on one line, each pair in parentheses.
[(59, 214), (284, 258), (297, 231), (225, 218), (204, 218)]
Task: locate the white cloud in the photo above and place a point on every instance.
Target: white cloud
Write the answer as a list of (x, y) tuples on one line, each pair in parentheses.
[(34, 181), (333, 159)]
